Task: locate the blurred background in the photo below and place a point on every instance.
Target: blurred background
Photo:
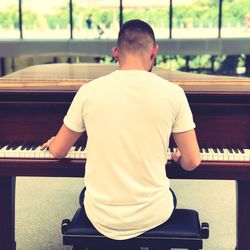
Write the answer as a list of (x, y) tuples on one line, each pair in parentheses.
[(201, 36)]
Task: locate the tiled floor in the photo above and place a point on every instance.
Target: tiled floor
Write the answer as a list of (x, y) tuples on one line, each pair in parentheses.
[(41, 204)]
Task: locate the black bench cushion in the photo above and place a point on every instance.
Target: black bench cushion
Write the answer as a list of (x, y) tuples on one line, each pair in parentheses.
[(184, 223)]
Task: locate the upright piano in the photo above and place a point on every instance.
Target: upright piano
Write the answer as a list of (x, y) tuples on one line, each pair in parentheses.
[(33, 102)]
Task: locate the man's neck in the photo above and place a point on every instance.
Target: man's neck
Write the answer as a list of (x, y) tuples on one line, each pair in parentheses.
[(134, 63)]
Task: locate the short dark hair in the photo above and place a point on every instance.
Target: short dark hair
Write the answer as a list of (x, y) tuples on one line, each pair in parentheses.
[(135, 35)]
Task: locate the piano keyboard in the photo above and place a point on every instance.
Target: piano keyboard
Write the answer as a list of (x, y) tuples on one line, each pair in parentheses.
[(34, 151), (78, 152)]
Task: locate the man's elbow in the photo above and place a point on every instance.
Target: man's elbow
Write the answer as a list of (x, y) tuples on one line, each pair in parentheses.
[(192, 164)]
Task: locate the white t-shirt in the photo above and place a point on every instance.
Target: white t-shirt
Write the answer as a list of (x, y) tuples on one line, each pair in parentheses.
[(129, 116)]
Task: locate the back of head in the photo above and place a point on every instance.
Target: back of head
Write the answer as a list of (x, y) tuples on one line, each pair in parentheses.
[(135, 36)]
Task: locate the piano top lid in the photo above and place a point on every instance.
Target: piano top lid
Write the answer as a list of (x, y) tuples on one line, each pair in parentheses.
[(69, 77)]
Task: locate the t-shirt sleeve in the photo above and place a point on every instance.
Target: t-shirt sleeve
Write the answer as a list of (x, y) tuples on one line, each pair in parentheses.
[(74, 119), (184, 118)]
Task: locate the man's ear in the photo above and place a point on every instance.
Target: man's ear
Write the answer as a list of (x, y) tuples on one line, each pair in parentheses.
[(154, 51), (115, 53)]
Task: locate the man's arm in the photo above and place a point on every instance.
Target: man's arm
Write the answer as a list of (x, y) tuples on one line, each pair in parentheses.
[(60, 144), (188, 153)]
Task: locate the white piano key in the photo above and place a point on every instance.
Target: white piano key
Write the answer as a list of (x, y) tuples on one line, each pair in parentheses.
[(246, 154), (169, 154), (2, 151), (241, 155), (83, 154), (38, 153), (225, 154), (204, 154), (16, 152), (220, 155), (210, 154)]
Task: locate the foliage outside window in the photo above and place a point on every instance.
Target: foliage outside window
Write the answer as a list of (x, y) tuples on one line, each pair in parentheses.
[(156, 13), (47, 20), (236, 18), (9, 19), (195, 18)]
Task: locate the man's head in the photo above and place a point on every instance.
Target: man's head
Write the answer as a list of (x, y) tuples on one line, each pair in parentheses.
[(136, 42)]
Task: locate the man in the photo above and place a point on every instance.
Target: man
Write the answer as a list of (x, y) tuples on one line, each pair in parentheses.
[(129, 116)]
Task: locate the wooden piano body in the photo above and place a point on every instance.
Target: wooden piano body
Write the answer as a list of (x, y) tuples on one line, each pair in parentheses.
[(34, 101)]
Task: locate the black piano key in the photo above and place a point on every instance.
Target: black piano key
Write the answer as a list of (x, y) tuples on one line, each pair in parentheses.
[(206, 150), (215, 150), (82, 148), (230, 150), (236, 150), (2, 145), (201, 150), (10, 146), (34, 147), (15, 147), (241, 150), (221, 150), (29, 146), (77, 148), (24, 146)]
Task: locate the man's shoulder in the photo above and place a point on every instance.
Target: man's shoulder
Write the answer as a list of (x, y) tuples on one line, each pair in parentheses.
[(166, 83), (98, 81)]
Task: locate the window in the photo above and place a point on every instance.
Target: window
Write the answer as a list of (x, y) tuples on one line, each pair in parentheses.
[(195, 18), (154, 12), (95, 19), (9, 19), (46, 19), (235, 18)]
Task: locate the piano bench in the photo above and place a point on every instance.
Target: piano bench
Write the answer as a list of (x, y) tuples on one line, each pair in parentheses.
[(182, 230)]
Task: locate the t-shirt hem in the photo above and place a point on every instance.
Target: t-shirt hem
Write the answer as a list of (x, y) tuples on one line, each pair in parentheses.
[(129, 234)]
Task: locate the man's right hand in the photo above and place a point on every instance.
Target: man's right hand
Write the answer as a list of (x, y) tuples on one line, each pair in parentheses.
[(47, 143)]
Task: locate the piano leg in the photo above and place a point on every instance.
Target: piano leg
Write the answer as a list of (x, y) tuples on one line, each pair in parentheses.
[(7, 212), (243, 215)]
